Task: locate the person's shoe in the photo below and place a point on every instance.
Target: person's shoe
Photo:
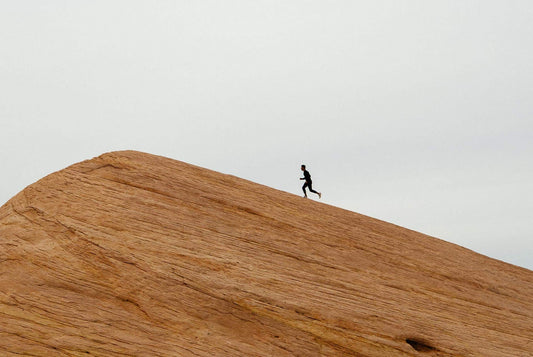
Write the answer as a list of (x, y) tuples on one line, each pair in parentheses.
[(319, 195), (305, 196)]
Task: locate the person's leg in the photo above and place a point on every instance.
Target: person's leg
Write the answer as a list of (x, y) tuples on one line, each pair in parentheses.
[(303, 188), (311, 189)]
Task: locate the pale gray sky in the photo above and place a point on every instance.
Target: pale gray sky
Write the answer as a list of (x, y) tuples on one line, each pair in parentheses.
[(417, 112)]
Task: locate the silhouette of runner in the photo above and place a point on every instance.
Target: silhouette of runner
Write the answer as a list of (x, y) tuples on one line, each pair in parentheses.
[(308, 183)]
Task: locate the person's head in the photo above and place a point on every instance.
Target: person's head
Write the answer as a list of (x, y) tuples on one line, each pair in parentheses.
[(303, 167)]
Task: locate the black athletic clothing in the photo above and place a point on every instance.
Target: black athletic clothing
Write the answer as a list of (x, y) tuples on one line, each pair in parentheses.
[(308, 183), (307, 176)]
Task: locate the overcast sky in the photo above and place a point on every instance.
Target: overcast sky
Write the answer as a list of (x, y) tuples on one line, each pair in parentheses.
[(417, 112)]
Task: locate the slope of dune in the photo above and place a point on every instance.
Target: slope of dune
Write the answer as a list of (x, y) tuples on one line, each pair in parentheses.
[(131, 254)]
